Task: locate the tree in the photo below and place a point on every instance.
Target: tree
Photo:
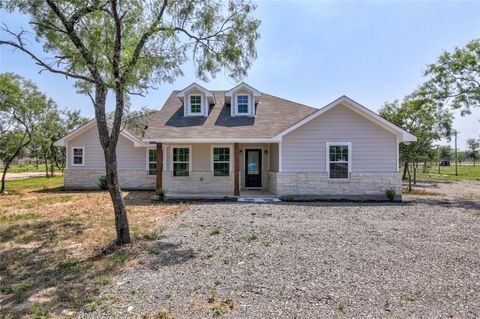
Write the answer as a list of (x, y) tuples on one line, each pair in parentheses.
[(423, 119), (473, 148), (54, 124), (20, 107), (444, 154), (129, 46), (455, 78)]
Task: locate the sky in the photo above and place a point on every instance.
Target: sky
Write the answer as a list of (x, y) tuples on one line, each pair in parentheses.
[(313, 52)]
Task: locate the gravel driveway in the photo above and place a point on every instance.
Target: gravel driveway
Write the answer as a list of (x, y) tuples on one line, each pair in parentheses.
[(306, 260)]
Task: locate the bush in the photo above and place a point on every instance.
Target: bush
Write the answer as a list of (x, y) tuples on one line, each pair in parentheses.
[(161, 192), (102, 183), (391, 194)]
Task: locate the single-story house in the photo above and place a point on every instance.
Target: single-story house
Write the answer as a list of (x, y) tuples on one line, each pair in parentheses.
[(227, 142)]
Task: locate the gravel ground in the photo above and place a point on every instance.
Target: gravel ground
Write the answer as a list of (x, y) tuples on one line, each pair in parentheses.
[(306, 260)]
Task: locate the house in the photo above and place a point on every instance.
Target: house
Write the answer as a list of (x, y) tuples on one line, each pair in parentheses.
[(227, 142)]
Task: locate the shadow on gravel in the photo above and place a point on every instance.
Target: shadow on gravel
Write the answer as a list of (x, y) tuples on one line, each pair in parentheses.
[(169, 254)]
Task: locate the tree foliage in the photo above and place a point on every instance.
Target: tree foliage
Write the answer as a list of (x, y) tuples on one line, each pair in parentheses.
[(21, 105), (425, 120), (473, 146), (455, 78), (130, 46)]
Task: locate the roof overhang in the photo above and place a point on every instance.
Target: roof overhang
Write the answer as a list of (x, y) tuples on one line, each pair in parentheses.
[(403, 136), (214, 140), (64, 140), (209, 94)]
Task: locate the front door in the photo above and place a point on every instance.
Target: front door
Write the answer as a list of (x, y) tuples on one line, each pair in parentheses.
[(253, 168)]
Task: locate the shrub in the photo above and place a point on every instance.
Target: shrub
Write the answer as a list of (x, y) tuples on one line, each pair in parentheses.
[(102, 183), (391, 194), (161, 193)]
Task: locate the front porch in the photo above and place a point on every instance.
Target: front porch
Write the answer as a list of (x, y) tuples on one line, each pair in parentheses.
[(245, 195), (207, 170)]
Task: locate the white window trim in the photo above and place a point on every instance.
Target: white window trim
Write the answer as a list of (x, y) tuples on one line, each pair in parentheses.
[(189, 106), (229, 163), (327, 159), (148, 159), (83, 156), (190, 156), (249, 112)]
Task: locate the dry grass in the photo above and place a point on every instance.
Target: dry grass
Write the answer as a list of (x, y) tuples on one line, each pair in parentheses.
[(420, 191), (56, 247)]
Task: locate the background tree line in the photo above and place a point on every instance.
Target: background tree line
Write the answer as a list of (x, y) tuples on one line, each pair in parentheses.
[(452, 83), (30, 123)]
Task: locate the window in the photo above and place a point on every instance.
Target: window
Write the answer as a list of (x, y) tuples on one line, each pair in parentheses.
[(152, 162), (221, 161), (77, 156), (242, 104), (338, 160), (195, 104), (181, 161)]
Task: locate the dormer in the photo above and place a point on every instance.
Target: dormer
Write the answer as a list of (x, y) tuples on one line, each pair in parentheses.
[(243, 100), (196, 100)]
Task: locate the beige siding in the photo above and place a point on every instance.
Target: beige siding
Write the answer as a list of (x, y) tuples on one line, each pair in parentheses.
[(129, 157), (374, 149), (273, 154)]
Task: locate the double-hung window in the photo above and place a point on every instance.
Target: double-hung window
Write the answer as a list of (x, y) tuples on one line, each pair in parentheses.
[(221, 161), (78, 154), (181, 161), (338, 160), (152, 162), (242, 104), (195, 104)]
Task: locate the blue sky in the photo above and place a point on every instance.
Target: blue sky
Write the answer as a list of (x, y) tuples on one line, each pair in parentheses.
[(313, 52)]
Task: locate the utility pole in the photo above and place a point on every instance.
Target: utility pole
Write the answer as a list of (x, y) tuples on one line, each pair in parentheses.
[(456, 162)]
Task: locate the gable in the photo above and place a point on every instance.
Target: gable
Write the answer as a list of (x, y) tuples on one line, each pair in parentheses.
[(403, 136)]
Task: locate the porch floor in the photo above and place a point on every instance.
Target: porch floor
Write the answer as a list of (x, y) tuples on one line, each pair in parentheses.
[(244, 193)]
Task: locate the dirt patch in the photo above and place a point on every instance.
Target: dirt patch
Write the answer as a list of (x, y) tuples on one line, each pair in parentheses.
[(56, 247)]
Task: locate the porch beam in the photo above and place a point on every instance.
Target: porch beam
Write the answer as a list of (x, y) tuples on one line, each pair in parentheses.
[(158, 183), (236, 169)]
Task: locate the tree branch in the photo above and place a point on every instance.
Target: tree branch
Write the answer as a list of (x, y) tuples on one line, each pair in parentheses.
[(141, 43), (41, 63)]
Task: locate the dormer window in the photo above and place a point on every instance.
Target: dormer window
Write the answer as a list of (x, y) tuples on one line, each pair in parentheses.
[(195, 104), (242, 104), (196, 100), (243, 100)]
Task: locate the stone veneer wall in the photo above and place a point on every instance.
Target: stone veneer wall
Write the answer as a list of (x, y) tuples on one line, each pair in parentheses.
[(360, 186), (88, 179), (272, 182), (198, 182)]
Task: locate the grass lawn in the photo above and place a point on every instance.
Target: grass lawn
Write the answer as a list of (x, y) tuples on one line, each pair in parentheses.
[(447, 173), (25, 168), (56, 246)]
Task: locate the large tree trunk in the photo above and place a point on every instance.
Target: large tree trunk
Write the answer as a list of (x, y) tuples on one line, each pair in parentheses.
[(109, 146), (121, 219)]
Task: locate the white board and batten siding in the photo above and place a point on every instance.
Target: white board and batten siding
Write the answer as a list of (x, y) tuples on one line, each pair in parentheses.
[(374, 149), (129, 157)]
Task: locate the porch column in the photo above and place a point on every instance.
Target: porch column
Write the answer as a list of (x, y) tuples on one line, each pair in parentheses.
[(236, 169), (158, 183)]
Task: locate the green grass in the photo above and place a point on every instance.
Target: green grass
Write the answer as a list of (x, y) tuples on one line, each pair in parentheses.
[(22, 168), (36, 182), (447, 173)]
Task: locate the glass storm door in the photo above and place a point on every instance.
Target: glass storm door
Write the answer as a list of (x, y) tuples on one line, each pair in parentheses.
[(253, 168)]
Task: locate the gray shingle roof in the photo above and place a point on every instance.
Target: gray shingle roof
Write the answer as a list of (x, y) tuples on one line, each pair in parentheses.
[(273, 115)]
